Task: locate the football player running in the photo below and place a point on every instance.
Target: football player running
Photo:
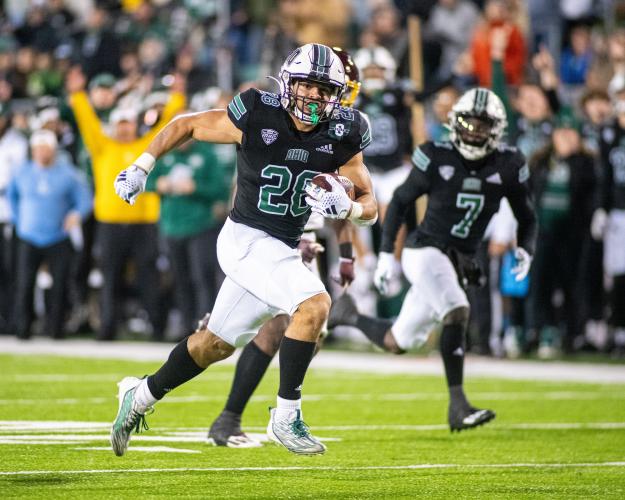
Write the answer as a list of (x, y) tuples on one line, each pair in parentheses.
[(283, 140), (257, 354), (465, 180)]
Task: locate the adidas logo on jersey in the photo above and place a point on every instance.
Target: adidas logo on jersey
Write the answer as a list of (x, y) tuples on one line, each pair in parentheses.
[(327, 148), (494, 179)]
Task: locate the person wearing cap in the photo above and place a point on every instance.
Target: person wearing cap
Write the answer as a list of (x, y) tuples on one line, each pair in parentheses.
[(122, 232), (48, 199), (13, 153), (103, 94), (563, 181)]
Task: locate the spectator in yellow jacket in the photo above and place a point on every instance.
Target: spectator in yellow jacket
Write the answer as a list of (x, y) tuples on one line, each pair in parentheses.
[(122, 231)]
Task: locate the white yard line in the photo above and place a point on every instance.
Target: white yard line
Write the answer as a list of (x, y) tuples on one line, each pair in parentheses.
[(338, 360), (193, 437), (80, 378), (322, 468), (149, 449), (412, 396), (50, 425), (63, 430)]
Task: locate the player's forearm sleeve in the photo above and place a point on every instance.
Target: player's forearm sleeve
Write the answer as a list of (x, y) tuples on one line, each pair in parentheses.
[(405, 195), (523, 208)]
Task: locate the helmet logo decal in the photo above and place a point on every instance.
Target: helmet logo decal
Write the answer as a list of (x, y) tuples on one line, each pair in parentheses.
[(481, 100), (321, 60), (293, 55), (269, 135)]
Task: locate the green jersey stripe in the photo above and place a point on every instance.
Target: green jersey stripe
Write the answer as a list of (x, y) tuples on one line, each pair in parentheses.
[(233, 109), (420, 160), (239, 104)]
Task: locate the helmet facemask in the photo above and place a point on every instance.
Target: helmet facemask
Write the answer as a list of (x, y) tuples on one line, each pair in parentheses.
[(312, 110), (474, 130), (312, 64), (477, 132)]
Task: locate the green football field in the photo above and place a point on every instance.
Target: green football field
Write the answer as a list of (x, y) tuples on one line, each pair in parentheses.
[(386, 438)]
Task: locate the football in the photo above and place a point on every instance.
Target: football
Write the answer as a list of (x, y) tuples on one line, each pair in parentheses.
[(321, 180)]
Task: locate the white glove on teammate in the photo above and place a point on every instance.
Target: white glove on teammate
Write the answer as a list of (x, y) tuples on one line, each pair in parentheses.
[(598, 224), (334, 204), (130, 182), (387, 270), (523, 263)]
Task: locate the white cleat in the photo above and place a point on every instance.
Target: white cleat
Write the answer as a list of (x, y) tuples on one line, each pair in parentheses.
[(293, 434), (130, 416)]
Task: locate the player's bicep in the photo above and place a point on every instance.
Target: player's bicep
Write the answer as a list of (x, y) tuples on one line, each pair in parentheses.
[(356, 171), (214, 126)]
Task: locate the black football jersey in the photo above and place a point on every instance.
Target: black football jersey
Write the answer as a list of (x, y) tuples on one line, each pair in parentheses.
[(612, 185), (462, 198), (275, 161), (390, 126)]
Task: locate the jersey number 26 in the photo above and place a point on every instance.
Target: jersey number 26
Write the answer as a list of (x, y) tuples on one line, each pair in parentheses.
[(281, 179)]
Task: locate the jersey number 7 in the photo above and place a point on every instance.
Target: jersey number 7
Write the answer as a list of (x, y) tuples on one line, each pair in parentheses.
[(473, 203)]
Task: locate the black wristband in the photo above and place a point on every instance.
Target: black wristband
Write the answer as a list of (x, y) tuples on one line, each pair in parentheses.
[(345, 250)]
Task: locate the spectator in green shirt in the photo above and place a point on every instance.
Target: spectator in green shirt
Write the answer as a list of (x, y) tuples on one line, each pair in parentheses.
[(194, 183)]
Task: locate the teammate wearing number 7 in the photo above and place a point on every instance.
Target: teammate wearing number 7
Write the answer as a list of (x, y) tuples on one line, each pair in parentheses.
[(465, 180), (283, 141)]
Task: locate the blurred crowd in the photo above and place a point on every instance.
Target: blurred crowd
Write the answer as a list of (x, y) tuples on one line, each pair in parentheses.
[(85, 86)]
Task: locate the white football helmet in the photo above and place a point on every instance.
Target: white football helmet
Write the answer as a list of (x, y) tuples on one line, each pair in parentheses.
[(317, 63), (377, 57), (477, 123)]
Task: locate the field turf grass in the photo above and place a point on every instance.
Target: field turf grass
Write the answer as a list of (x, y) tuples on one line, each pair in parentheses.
[(386, 438)]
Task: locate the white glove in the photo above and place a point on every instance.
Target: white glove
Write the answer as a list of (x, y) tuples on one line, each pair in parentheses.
[(334, 204), (598, 224), (523, 263), (130, 183), (387, 270)]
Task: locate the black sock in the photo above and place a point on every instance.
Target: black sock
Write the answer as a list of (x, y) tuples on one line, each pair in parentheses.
[(251, 367), (452, 352), (374, 328), (178, 369), (457, 397), (295, 356)]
